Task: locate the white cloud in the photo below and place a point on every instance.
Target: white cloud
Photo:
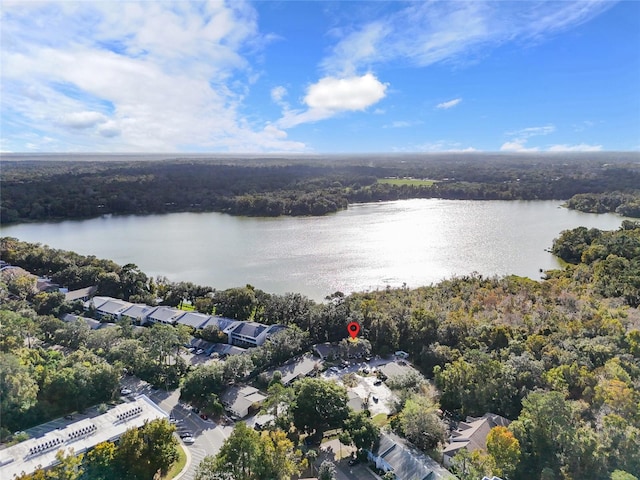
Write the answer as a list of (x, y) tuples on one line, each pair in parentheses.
[(402, 124), (109, 129), (581, 147), (331, 95), (278, 93), (424, 33), (516, 146), (353, 93), (449, 104), (521, 137), (533, 131), (133, 76), (437, 146), (82, 120)]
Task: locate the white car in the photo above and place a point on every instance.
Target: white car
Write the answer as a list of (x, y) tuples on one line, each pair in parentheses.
[(189, 440), (126, 391)]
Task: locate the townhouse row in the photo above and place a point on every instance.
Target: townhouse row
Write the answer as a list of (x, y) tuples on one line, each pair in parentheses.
[(239, 333)]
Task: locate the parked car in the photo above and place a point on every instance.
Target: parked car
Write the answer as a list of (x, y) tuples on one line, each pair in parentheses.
[(125, 391), (200, 351), (189, 440), (353, 461), (68, 417), (185, 434), (377, 383)]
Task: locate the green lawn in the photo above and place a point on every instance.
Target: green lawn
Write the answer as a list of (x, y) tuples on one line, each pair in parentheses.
[(178, 465), (380, 420), (186, 307), (414, 182)]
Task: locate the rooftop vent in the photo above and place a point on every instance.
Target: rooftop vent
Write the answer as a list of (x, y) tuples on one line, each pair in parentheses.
[(81, 432), (46, 446), (127, 414)]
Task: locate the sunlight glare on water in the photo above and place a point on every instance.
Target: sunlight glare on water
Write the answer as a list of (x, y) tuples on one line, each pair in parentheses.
[(368, 246)]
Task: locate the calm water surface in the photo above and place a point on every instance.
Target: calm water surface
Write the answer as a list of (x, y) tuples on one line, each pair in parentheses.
[(366, 247)]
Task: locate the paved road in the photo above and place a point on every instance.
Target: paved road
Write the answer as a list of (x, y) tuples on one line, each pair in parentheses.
[(208, 435)]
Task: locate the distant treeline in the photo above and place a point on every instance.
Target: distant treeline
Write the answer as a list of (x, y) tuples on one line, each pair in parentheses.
[(54, 190), (626, 204)]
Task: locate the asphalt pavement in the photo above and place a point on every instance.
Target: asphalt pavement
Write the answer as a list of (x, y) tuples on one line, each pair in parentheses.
[(209, 436)]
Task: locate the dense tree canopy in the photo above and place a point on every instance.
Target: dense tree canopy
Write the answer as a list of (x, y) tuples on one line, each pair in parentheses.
[(249, 455), (45, 190)]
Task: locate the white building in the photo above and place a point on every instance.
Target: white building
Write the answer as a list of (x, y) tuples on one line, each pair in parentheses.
[(81, 436)]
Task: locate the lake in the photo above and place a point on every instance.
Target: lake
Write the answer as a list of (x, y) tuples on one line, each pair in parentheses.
[(366, 247)]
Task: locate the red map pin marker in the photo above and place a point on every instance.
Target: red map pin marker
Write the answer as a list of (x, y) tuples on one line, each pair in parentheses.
[(353, 328)]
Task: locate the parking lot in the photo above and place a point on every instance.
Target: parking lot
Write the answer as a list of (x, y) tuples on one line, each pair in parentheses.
[(366, 389)]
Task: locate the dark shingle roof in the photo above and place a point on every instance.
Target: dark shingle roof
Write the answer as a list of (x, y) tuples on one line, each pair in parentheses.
[(249, 329)]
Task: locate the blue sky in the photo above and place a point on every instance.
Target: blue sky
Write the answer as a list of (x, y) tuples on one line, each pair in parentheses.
[(320, 77)]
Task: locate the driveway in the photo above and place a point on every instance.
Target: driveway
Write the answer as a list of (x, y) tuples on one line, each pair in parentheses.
[(208, 435), (330, 450)]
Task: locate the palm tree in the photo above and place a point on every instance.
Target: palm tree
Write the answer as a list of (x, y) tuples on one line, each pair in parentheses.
[(311, 456)]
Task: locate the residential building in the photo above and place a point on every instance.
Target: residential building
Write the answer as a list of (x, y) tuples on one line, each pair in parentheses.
[(40, 452), (222, 350), (45, 284), (396, 369), (91, 323), (138, 313), (95, 302), (166, 315), (239, 400), (298, 368), (82, 294), (404, 462), (225, 325), (193, 319), (472, 435), (251, 334), (112, 308), (355, 402)]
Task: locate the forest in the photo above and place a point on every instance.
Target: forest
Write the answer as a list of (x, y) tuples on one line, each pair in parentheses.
[(560, 357), (57, 189)]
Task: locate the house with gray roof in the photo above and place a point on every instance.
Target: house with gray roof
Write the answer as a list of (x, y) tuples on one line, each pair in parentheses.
[(225, 325), (91, 323), (138, 313), (247, 334), (406, 463), (82, 294), (194, 319), (166, 315), (112, 308), (222, 350), (297, 368), (472, 435), (239, 400), (251, 334), (95, 302)]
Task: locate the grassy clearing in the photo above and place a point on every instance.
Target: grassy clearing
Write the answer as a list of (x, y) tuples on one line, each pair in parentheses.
[(380, 419), (186, 307), (178, 465), (414, 182)]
